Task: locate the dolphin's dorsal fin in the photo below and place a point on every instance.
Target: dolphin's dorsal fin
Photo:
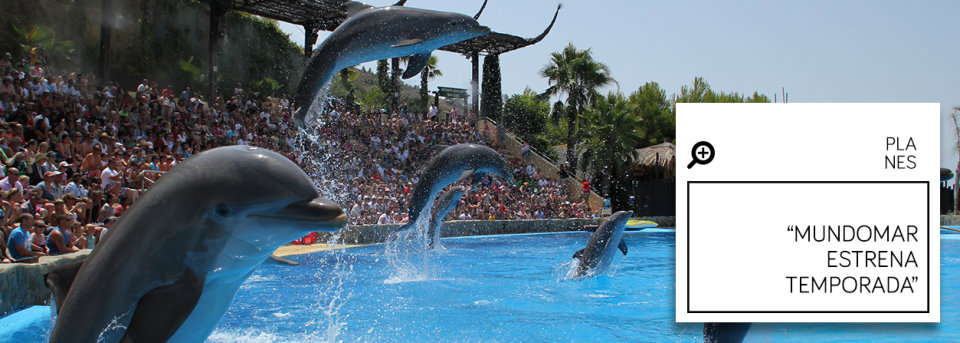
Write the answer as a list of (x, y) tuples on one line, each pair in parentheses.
[(161, 311), (407, 42), (578, 253), (415, 64), (354, 7), (59, 280), (623, 246)]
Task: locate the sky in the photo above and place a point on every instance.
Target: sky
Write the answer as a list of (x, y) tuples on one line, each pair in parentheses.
[(814, 50)]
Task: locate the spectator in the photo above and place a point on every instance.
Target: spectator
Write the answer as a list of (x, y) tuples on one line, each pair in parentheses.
[(61, 239), (19, 242)]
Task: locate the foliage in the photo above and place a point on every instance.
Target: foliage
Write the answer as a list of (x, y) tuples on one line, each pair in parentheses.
[(651, 105), (264, 87), (42, 42), (371, 100), (525, 115), (611, 148), (543, 147), (343, 86), (491, 101), (383, 76), (429, 71), (153, 39), (700, 92), (194, 71), (575, 74)]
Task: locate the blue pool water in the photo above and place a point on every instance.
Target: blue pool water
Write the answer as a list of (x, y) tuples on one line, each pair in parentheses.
[(497, 289)]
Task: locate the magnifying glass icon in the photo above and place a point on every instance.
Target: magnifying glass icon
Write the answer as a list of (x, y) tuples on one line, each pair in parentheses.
[(702, 153)]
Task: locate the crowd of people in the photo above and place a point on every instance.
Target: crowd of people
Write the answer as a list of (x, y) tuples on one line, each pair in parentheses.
[(373, 161), (78, 149), (77, 152)]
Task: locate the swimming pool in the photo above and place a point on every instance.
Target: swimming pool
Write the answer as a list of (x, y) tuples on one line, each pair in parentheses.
[(500, 289)]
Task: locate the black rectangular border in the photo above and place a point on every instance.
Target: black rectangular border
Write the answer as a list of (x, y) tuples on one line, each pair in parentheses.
[(927, 214)]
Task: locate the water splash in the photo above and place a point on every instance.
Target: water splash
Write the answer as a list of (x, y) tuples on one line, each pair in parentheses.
[(115, 330), (409, 254), (333, 296), (315, 154)]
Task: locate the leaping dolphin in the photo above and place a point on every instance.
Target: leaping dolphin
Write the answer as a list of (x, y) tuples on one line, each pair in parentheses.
[(381, 33), (173, 262), (444, 204), (596, 257), (453, 164)]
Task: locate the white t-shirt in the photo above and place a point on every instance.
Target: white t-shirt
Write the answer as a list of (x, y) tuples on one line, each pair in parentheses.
[(105, 177)]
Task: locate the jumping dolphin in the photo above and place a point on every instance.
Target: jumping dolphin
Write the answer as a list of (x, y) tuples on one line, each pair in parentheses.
[(595, 258), (175, 260), (444, 204), (381, 33), (453, 164), (725, 332)]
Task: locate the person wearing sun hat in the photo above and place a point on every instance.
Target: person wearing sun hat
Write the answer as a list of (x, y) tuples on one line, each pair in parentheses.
[(51, 190)]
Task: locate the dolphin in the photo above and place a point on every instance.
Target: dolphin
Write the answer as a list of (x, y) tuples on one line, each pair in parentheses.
[(725, 332), (376, 34), (595, 258), (174, 261), (453, 164), (444, 204)]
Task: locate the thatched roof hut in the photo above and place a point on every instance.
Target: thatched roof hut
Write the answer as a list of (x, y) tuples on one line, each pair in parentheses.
[(660, 155)]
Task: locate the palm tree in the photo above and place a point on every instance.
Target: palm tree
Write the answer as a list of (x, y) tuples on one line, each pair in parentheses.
[(577, 75), (429, 71), (610, 149)]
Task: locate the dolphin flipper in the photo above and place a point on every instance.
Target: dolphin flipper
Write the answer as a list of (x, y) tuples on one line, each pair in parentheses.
[(59, 280), (578, 253), (161, 311), (466, 174), (623, 247), (407, 42), (284, 260), (415, 64)]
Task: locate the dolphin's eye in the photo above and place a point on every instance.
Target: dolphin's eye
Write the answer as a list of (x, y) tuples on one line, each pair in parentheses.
[(222, 210)]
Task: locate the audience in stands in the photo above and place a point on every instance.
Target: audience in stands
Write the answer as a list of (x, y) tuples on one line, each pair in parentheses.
[(77, 152)]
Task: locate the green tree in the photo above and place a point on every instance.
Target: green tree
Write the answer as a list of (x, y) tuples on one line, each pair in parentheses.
[(42, 41), (610, 149), (429, 71), (394, 94), (491, 94), (659, 122), (525, 115), (343, 86), (383, 76), (575, 74), (371, 100), (700, 91)]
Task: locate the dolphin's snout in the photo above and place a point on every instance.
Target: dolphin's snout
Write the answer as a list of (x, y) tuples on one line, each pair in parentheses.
[(319, 211)]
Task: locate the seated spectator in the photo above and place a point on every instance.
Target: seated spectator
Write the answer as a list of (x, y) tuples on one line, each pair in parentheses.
[(61, 239), (18, 244)]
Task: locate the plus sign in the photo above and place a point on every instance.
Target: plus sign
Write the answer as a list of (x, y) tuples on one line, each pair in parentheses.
[(703, 153)]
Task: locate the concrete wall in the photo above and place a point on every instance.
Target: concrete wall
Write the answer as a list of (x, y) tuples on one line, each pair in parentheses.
[(23, 285), (949, 220), (370, 234)]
